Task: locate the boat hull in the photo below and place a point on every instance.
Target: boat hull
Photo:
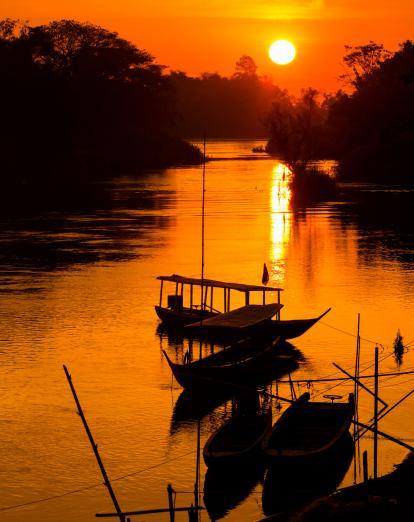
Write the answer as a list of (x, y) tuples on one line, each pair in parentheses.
[(200, 376), (181, 318), (238, 439), (270, 329), (308, 432)]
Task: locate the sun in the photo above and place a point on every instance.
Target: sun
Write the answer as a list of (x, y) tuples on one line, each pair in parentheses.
[(282, 52)]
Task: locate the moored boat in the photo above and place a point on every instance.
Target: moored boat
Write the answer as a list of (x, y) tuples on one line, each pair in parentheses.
[(232, 367), (238, 438), (308, 430), (204, 319), (252, 320)]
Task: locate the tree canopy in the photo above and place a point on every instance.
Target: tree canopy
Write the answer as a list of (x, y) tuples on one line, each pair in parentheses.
[(82, 102), (373, 126)]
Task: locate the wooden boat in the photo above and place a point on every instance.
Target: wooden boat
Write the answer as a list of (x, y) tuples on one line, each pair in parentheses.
[(228, 367), (287, 487), (204, 320), (254, 321), (308, 430), (389, 497), (238, 438), (178, 315), (290, 329)]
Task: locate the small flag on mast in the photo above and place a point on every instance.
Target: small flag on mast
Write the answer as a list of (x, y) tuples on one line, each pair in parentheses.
[(265, 276)]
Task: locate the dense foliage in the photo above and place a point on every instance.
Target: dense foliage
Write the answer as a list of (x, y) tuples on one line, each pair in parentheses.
[(224, 107), (374, 125), (369, 129), (81, 102)]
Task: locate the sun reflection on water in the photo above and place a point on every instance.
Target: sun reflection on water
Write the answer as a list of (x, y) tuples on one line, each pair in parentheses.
[(280, 219)]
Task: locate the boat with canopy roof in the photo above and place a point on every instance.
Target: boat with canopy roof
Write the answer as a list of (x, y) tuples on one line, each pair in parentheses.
[(192, 307)]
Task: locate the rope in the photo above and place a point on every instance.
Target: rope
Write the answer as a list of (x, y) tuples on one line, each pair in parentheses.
[(353, 335)]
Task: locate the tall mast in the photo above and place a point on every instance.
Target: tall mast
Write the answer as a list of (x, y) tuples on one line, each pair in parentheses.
[(202, 239), (197, 480)]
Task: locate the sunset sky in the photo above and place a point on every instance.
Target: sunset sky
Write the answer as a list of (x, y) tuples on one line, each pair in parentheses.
[(211, 35)]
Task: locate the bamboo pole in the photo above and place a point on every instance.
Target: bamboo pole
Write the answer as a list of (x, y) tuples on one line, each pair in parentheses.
[(333, 379), (383, 413), (95, 449), (365, 465), (376, 415), (360, 383), (147, 512), (356, 391), (161, 288), (171, 502), (202, 240), (385, 435), (197, 480)]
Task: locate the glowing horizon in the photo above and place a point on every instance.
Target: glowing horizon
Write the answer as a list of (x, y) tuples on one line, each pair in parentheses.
[(211, 37)]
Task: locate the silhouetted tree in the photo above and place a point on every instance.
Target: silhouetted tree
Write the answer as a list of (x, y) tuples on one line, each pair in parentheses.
[(362, 60), (224, 107), (296, 128), (82, 103), (245, 67), (374, 125)]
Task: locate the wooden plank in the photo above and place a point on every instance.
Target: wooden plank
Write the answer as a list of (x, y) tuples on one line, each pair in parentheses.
[(243, 317), (241, 287)]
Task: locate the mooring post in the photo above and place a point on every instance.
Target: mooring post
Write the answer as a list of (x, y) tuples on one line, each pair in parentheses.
[(192, 514), (197, 478), (376, 415), (278, 302), (171, 502), (161, 288), (356, 392), (365, 465)]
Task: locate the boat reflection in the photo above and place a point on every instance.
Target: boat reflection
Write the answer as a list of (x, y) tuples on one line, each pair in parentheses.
[(194, 405), (289, 487), (190, 407), (180, 344), (225, 487)]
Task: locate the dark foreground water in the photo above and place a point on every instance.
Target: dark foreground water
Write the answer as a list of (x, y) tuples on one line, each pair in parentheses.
[(77, 287)]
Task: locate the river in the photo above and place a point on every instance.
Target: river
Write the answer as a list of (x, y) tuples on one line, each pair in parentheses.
[(78, 287)]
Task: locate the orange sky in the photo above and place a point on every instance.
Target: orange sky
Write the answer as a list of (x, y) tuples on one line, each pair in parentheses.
[(211, 35)]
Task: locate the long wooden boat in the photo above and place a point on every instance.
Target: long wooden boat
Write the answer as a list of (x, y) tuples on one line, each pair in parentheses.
[(290, 329), (287, 486), (308, 430), (183, 307), (238, 438), (252, 320), (222, 370), (204, 319), (178, 318)]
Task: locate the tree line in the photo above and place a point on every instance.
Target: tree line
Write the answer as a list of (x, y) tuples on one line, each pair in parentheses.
[(368, 126), (80, 102)]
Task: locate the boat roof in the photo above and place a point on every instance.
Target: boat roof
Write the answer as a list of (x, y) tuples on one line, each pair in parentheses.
[(240, 318), (175, 278)]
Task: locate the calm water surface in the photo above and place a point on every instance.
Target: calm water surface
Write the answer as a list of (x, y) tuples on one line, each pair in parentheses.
[(78, 286)]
